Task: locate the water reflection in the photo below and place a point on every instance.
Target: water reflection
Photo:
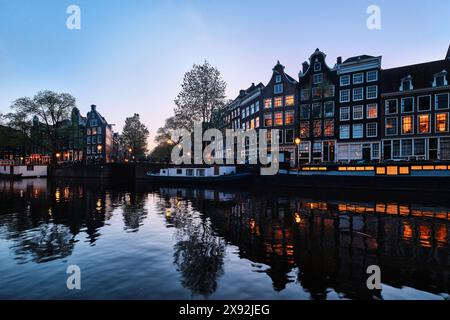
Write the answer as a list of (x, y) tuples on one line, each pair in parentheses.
[(316, 246)]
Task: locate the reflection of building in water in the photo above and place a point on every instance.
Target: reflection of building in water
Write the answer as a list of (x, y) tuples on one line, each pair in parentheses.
[(332, 244)]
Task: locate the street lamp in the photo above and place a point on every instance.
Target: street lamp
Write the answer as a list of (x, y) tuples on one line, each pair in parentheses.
[(297, 142)]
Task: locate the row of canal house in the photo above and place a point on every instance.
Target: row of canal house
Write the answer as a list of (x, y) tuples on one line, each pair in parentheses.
[(352, 111)]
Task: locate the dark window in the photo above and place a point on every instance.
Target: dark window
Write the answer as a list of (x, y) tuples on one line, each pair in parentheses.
[(30, 168), (424, 103)]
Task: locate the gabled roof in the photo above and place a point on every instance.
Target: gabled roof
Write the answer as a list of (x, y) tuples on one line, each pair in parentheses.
[(422, 74), (249, 90)]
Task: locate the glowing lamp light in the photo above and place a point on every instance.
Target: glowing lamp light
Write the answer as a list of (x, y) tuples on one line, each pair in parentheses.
[(298, 141)]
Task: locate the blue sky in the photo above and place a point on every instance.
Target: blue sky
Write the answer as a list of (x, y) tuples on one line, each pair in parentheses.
[(130, 56)]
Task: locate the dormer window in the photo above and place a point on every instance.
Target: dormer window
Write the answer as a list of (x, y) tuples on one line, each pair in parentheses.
[(318, 78), (278, 78), (406, 84), (317, 67), (440, 79)]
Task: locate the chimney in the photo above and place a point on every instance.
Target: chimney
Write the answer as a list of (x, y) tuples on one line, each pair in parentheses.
[(305, 66), (339, 60), (93, 107)]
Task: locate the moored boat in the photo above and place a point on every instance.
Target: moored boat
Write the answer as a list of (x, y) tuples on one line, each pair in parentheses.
[(200, 175)]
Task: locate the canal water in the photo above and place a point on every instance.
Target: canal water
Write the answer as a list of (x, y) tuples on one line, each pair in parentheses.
[(143, 242)]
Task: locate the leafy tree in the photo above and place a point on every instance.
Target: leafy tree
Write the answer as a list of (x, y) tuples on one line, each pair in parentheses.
[(202, 94), (134, 136), (51, 109)]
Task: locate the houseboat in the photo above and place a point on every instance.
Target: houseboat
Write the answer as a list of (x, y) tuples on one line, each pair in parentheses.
[(429, 176), (14, 171), (200, 175)]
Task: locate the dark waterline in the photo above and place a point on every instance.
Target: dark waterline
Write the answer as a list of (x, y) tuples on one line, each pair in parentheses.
[(143, 242)]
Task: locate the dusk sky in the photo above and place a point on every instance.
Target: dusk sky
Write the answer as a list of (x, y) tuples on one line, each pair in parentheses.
[(130, 56)]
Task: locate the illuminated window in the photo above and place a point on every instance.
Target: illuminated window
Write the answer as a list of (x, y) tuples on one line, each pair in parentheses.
[(424, 123), (404, 170), (268, 120), (442, 122), (289, 117), (328, 109), (407, 105), (358, 112), (317, 110), (304, 112), (289, 101), (257, 122), (268, 103), (252, 124), (304, 129), (317, 129), (407, 125), (392, 171), (391, 126), (381, 170), (278, 102), (424, 103), (329, 128), (317, 93), (358, 94), (278, 118), (372, 111)]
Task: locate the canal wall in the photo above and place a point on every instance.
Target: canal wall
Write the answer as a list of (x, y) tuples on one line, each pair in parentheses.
[(112, 171)]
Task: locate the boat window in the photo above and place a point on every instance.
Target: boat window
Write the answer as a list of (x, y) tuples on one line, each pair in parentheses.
[(30, 168), (404, 170), (392, 171), (201, 172), (189, 172), (179, 171), (381, 170)]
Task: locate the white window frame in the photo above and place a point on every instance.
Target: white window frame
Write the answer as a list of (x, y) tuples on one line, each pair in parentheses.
[(340, 114), (418, 104), (318, 78), (360, 125), (278, 78), (412, 124), (348, 131), (361, 89), (324, 104), (401, 105), (435, 122), (443, 73), (361, 108), (408, 78), (361, 75), (435, 101), (429, 123), (386, 106), (367, 110), (344, 80), (340, 95), (376, 130), (317, 69), (368, 97), (278, 86), (372, 72), (396, 127)]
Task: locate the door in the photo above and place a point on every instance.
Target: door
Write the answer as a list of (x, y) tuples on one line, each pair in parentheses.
[(366, 153)]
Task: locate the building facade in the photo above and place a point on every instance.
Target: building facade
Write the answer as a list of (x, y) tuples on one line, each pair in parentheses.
[(355, 111)]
